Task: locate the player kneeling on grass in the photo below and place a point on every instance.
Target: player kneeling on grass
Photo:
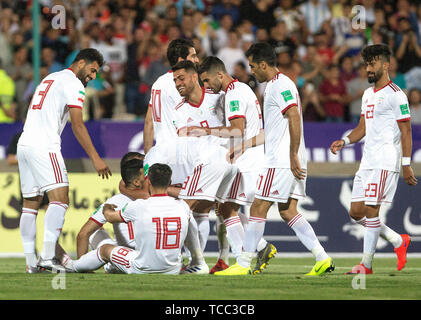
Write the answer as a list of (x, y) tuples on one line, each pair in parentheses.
[(160, 228)]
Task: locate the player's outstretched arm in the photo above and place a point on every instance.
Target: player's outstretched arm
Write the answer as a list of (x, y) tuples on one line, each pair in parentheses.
[(356, 135), (148, 132), (82, 135), (236, 151), (85, 232), (406, 141), (235, 130)]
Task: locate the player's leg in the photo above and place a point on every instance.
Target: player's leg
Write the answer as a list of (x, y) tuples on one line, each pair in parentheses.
[(28, 230), (54, 220), (223, 245), (233, 226), (94, 259), (201, 211)]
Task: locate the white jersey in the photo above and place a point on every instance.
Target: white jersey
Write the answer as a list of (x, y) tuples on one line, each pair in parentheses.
[(123, 232), (182, 156), (280, 95), (382, 109), (160, 227), (209, 113), (164, 98), (241, 102), (48, 111)]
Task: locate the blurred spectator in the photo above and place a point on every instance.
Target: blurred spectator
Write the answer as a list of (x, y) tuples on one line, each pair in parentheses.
[(240, 73), (325, 50), (355, 90), (219, 38), (7, 94), (397, 77), (414, 98), (407, 49), (232, 53), (354, 42), (288, 13), (106, 95), (347, 69), (413, 78), (280, 40), (341, 24), (332, 95), (53, 40), (381, 28), (48, 57), (226, 7), (404, 12), (315, 12), (21, 73), (259, 12), (262, 35), (369, 11), (313, 67), (187, 27)]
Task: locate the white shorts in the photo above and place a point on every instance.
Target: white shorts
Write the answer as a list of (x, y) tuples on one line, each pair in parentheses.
[(209, 182), (40, 171), (243, 188), (278, 185), (375, 186), (123, 258)]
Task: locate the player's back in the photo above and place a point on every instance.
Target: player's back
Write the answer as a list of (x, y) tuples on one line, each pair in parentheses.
[(164, 98), (48, 110), (160, 229)]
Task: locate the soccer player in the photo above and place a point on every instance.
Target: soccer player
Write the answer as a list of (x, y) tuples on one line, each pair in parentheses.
[(41, 165), (385, 124), (283, 178), (204, 108), (164, 97), (243, 120), (92, 232), (160, 228)]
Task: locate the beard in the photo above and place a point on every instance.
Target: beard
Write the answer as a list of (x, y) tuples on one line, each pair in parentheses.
[(373, 77), (83, 77)]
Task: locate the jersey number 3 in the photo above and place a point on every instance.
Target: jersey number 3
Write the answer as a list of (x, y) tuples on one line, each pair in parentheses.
[(162, 233), (42, 93)]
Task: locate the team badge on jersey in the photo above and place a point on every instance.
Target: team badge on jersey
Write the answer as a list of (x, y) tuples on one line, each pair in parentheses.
[(234, 105), (287, 95), (404, 109)]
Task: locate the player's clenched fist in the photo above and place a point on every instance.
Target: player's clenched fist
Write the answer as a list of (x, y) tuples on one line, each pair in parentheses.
[(336, 146)]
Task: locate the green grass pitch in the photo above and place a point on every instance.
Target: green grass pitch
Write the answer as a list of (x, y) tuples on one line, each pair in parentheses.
[(282, 280)]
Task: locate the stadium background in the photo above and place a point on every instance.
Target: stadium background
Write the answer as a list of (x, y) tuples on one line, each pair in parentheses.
[(316, 45)]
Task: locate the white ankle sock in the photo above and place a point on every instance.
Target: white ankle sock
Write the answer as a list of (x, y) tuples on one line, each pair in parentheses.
[(386, 233), (223, 245), (235, 234), (371, 236), (192, 243), (202, 220), (89, 261), (253, 232)]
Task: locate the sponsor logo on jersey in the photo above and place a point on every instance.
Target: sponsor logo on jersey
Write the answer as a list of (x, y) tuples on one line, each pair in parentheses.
[(287, 95)]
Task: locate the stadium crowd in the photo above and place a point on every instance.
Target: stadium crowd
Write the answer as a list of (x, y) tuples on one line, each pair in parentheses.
[(317, 44)]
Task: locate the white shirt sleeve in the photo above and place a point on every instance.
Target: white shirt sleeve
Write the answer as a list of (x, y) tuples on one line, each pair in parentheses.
[(400, 106)]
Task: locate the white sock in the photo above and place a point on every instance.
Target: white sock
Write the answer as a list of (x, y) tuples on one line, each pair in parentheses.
[(262, 242), (193, 244), (235, 234), (305, 233), (371, 236), (28, 229), (89, 261), (253, 232), (223, 245), (386, 233), (53, 223), (202, 220)]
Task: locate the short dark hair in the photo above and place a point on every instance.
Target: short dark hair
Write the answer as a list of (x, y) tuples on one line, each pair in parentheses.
[(262, 51), (159, 175), (376, 51), (186, 65), (131, 155), (130, 170), (211, 64), (90, 55), (178, 48)]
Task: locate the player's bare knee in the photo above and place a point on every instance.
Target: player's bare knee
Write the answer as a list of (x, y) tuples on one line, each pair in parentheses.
[(105, 251), (260, 208)]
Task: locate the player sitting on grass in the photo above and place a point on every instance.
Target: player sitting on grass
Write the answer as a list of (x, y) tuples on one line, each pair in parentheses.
[(160, 228)]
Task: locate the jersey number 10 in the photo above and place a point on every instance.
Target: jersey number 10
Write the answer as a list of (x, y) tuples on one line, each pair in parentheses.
[(156, 105), (162, 233)]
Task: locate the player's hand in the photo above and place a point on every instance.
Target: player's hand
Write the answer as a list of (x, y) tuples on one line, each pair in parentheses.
[(296, 169), (109, 207), (196, 131), (102, 168), (234, 153), (408, 175), (336, 146)]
